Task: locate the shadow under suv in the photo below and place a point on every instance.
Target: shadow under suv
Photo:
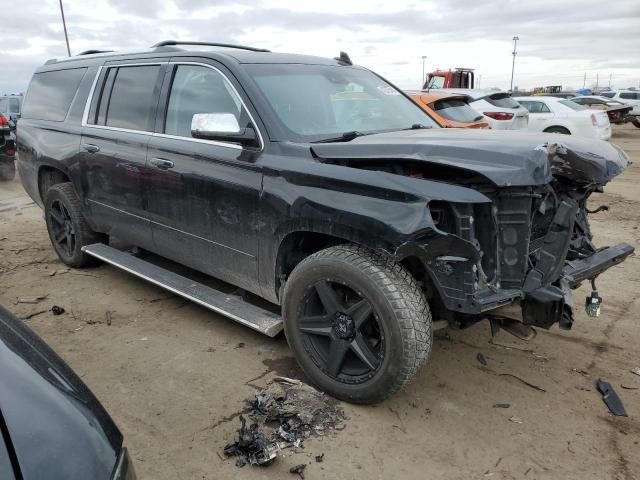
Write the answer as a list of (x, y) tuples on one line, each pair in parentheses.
[(320, 187)]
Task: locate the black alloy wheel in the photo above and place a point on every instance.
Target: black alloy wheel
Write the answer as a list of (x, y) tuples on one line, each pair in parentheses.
[(342, 331)]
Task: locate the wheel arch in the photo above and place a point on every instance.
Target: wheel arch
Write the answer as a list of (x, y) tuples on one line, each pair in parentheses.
[(49, 176), (298, 243), (558, 125)]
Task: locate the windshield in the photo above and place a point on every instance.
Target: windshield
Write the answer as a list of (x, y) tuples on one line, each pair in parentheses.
[(573, 105), (457, 110), (318, 102)]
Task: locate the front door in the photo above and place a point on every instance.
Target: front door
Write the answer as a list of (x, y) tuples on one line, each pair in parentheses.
[(113, 149), (203, 195)]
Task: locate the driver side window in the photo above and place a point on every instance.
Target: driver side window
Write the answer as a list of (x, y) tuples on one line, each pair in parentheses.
[(198, 89)]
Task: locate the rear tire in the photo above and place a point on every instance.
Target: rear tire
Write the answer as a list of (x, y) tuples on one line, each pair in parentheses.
[(67, 227), (7, 171), (357, 322), (561, 130)]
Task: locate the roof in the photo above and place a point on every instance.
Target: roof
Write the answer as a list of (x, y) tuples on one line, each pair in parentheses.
[(539, 98), (239, 54), (474, 93)]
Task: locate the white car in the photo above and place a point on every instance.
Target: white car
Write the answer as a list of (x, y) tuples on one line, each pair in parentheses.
[(557, 115), (498, 108), (630, 97)]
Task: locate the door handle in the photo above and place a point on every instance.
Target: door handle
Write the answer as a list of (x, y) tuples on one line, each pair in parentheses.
[(91, 148), (161, 163)]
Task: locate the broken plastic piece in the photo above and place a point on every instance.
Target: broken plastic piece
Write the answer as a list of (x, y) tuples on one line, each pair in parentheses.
[(320, 458), (502, 405), (56, 310), (481, 359), (298, 470), (611, 398)]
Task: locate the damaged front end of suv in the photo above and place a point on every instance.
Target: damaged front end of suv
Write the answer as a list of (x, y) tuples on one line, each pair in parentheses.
[(514, 258)]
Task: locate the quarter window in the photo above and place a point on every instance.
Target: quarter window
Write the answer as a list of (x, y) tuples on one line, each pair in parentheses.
[(132, 102), (50, 94), (196, 89), (629, 96)]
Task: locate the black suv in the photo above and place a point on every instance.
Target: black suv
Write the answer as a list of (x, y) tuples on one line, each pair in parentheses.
[(320, 187)]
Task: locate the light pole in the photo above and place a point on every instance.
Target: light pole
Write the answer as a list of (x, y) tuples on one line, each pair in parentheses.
[(513, 64), (422, 82), (64, 25)]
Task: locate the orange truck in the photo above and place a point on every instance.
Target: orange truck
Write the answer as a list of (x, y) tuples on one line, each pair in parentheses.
[(458, 78)]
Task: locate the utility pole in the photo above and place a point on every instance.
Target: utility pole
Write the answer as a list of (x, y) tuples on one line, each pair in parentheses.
[(64, 25), (513, 64), (610, 80), (423, 81), (597, 79), (479, 80), (584, 82)]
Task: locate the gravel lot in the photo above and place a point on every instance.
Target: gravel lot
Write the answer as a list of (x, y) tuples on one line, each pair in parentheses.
[(174, 376)]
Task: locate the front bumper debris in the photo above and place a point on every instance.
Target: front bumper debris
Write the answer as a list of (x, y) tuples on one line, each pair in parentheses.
[(577, 271)]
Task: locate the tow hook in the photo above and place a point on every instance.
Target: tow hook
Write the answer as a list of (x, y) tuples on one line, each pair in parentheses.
[(593, 302)]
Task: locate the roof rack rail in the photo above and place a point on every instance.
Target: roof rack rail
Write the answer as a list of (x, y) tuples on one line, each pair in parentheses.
[(91, 52), (168, 43)]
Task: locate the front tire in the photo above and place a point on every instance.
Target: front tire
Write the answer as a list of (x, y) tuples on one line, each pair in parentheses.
[(67, 227), (357, 322)]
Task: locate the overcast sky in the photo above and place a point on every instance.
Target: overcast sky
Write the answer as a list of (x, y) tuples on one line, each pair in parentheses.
[(560, 40)]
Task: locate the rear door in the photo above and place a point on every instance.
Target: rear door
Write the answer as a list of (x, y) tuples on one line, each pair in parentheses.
[(116, 130), (203, 194), (540, 117)]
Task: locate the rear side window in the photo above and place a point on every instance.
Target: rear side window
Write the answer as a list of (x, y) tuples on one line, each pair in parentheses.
[(132, 102), (535, 107), (457, 110), (50, 94), (629, 96), (502, 100), (572, 105), (14, 105)]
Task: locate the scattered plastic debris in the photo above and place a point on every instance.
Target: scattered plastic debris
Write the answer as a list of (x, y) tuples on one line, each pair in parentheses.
[(253, 444), (515, 419), (320, 458), (283, 415), (298, 470), (240, 462), (629, 387), (32, 300), (481, 359), (636, 371), (502, 405), (611, 398), (57, 310)]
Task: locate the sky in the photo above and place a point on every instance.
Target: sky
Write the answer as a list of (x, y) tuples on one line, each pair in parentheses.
[(560, 40)]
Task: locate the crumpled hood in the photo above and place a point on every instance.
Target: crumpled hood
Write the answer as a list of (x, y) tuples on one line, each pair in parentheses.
[(506, 158)]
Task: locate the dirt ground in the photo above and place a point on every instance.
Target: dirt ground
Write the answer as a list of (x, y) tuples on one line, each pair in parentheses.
[(174, 376)]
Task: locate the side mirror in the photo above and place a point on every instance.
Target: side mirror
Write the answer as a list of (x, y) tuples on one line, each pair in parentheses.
[(222, 126)]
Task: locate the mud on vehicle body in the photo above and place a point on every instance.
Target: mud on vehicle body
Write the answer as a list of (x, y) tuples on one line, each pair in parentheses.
[(350, 211)]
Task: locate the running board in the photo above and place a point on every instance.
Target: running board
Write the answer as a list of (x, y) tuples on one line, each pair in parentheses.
[(232, 306)]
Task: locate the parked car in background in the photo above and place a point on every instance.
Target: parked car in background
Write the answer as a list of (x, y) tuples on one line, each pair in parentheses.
[(52, 427), (449, 110), (618, 112), (499, 108), (7, 149), (557, 115), (11, 106), (630, 97)]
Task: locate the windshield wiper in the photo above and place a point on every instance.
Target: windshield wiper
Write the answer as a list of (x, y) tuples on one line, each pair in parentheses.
[(345, 137)]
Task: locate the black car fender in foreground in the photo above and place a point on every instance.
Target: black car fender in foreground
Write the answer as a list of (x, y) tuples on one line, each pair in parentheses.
[(53, 427)]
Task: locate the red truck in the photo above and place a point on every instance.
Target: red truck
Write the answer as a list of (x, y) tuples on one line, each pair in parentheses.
[(458, 78)]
